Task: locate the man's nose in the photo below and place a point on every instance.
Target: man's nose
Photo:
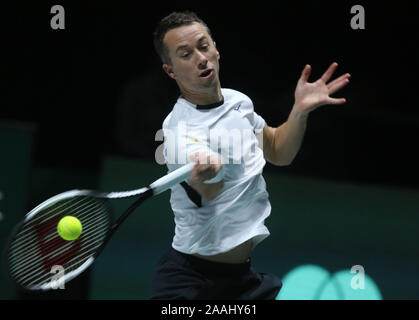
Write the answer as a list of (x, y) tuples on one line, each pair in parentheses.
[(202, 60)]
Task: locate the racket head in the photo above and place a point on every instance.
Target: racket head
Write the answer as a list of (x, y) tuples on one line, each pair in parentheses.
[(35, 247)]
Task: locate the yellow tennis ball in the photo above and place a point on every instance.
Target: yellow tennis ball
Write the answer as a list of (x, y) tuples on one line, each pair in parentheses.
[(69, 228)]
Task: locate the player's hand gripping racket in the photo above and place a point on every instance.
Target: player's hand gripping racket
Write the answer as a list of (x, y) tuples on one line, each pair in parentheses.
[(35, 246)]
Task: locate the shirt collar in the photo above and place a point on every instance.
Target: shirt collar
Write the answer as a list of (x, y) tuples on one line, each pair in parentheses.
[(210, 106), (205, 106)]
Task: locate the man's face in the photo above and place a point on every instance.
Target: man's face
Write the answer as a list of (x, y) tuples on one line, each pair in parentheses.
[(194, 58)]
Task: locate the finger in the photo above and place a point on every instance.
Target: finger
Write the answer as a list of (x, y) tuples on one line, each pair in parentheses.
[(342, 77), (327, 75), (206, 173), (336, 101), (306, 73), (193, 157), (337, 85), (203, 167), (215, 159), (201, 158)]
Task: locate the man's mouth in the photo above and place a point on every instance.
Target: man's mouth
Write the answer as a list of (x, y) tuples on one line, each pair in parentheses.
[(206, 73)]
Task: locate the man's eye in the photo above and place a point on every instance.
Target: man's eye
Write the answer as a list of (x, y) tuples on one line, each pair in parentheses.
[(185, 55)]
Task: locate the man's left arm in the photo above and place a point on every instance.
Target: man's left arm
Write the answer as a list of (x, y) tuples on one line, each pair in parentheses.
[(281, 144)]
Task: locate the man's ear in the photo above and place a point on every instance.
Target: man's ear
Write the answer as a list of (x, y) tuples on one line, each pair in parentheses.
[(218, 54), (168, 70)]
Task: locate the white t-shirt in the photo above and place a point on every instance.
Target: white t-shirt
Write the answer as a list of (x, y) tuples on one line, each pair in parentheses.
[(237, 214)]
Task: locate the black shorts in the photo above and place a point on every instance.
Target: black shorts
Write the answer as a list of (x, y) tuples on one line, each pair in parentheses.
[(181, 276)]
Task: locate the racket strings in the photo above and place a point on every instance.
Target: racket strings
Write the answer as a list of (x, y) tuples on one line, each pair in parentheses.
[(25, 240), (37, 247), (52, 237), (89, 248), (54, 210), (53, 249), (63, 252)]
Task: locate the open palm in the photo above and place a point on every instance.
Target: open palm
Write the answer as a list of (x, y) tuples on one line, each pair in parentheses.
[(309, 96)]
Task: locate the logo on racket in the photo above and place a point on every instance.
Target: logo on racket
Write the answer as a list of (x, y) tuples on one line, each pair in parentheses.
[(54, 249)]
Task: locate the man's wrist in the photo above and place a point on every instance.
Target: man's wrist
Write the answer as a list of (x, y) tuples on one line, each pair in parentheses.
[(297, 113)]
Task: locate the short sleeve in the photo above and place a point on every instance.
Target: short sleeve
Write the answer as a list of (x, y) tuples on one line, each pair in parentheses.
[(259, 123), (256, 121)]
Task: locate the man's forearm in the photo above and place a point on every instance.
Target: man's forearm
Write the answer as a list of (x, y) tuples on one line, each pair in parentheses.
[(289, 136)]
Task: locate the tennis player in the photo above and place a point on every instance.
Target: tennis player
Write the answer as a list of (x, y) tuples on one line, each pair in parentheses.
[(220, 210)]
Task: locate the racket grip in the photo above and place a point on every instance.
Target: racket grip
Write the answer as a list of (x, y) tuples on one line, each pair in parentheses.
[(171, 179)]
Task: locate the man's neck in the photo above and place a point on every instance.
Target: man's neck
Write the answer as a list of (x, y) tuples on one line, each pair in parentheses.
[(202, 98)]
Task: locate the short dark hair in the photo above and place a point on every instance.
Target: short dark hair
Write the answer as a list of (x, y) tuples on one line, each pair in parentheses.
[(172, 21)]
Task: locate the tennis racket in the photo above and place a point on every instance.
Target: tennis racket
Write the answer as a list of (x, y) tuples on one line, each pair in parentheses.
[(35, 246)]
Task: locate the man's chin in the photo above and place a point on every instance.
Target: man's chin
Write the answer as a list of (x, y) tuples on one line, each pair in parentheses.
[(210, 82)]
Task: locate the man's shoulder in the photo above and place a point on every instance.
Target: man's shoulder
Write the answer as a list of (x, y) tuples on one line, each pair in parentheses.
[(166, 121), (176, 114), (234, 94)]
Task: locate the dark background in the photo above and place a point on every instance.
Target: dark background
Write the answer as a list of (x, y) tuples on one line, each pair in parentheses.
[(87, 101), (75, 83)]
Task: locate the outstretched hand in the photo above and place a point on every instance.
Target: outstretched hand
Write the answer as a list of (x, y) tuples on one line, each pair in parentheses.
[(311, 95)]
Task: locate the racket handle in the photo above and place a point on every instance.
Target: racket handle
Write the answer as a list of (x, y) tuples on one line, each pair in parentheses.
[(171, 179)]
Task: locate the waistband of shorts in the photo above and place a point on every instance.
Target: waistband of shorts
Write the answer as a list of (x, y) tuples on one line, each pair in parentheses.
[(210, 267)]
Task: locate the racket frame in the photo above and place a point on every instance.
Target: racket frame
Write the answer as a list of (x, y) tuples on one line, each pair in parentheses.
[(157, 187)]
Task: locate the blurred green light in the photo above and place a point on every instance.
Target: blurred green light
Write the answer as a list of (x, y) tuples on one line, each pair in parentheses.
[(311, 282)]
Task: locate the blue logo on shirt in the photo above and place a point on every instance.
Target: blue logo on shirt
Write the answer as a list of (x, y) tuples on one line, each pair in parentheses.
[(237, 108)]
